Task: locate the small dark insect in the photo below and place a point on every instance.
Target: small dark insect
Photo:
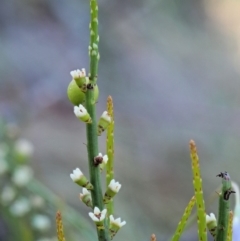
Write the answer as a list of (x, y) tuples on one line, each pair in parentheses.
[(227, 194), (89, 86), (224, 175)]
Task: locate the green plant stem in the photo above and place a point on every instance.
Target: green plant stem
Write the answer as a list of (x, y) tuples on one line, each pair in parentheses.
[(94, 40), (110, 152), (92, 137), (183, 221), (223, 211), (197, 184)]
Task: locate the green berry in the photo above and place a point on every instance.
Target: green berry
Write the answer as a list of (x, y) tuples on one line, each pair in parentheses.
[(75, 94)]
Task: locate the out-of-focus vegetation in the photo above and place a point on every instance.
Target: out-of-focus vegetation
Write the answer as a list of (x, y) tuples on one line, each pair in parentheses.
[(27, 207), (172, 68)]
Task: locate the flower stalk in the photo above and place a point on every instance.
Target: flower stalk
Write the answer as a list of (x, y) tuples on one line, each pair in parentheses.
[(112, 189), (85, 197), (115, 225), (110, 152), (197, 184), (92, 137), (224, 208), (78, 177), (212, 224), (183, 221), (60, 233)]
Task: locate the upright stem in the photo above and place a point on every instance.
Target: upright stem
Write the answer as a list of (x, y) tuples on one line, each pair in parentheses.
[(224, 207), (197, 183), (92, 138), (110, 152)]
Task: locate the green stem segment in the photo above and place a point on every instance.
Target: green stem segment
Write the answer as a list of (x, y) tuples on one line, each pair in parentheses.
[(229, 235), (183, 221), (92, 137), (223, 210), (110, 152), (197, 183), (94, 40)]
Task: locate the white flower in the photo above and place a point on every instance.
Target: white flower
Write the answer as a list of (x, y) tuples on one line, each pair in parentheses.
[(3, 166), (80, 111), (76, 175), (22, 175), (97, 215), (76, 74), (114, 186), (20, 207), (7, 195), (210, 218), (106, 116), (24, 147), (104, 158), (41, 222), (117, 222), (84, 193)]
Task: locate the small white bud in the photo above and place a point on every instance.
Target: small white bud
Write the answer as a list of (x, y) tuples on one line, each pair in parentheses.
[(76, 175), (114, 186), (82, 114), (117, 221), (210, 218), (76, 74)]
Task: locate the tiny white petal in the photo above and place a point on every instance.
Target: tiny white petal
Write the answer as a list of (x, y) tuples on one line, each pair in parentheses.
[(106, 116), (123, 223), (80, 111), (96, 211), (85, 191), (111, 218), (93, 217), (76, 175), (117, 222), (210, 218), (104, 212), (78, 73), (105, 159), (114, 186)]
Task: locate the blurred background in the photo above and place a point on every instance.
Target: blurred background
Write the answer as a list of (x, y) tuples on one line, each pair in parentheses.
[(172, 68)]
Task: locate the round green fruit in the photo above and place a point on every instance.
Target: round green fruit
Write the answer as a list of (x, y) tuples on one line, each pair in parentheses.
[(75, 94)]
